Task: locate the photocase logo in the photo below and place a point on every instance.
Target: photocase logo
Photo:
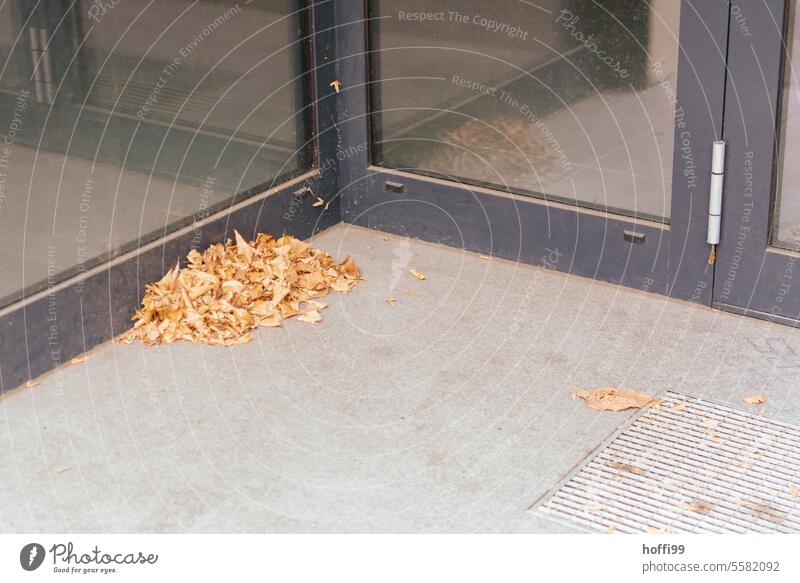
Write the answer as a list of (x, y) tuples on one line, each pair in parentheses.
[(31, 556)]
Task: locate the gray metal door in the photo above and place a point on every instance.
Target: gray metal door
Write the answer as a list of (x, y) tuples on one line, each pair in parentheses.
[(566, 133), (758, 251)]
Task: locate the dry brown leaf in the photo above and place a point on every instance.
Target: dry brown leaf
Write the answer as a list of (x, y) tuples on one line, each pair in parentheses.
[(665, 530), (627, 468), (62, 470), (712, 435), (486, 257), (312, 317), (612, 399), (391, 301), (243, 247), (319, 202), (31, 384), (78, 359), (416, 274), (755, 399), (229, 289), (679, 406), (386, 237), (794, 491), (698, 506), (593, 508)]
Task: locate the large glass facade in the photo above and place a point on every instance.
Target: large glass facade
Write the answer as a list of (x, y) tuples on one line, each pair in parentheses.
[(122, 120), (573, 100)]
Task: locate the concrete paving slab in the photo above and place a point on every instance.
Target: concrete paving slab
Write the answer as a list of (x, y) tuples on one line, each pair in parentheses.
[(448, 411)]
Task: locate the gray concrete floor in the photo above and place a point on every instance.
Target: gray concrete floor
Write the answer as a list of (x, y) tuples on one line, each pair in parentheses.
[(446, 412)]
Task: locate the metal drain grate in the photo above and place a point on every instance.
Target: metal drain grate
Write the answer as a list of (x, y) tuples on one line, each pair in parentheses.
[(688, 465)]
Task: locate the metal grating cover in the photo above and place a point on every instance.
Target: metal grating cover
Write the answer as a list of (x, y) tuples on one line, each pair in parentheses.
[(688, 465)]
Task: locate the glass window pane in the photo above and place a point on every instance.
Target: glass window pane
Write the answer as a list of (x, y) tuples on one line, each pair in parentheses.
[(785, 230), (569, 99), (125, 120)]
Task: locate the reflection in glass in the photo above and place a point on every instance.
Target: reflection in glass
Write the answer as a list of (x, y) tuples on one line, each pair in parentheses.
[(570, 99), (123, 120)]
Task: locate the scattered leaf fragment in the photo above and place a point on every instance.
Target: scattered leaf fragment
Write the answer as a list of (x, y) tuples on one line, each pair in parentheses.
[(679, 406), (391, 301), (755, 399), (312, 317), (319, 202), (698, 506), (486, 257), (386, 237), (416, 274), (712, 435), (62, 469), (78, 359), (794, 491), (544, 509), (764, 511), (410, 292), (31, 384), (593, 508), (631, 469), (612, 399), (665, 530), (231, 288)]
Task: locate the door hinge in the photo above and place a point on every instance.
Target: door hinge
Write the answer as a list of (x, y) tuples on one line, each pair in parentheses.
[(715, 192)]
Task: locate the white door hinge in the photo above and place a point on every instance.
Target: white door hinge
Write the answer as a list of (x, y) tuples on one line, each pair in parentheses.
[(715, 191)]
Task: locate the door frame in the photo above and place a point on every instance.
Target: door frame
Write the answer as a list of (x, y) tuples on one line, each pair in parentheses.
[(751, 277), (673, 259)]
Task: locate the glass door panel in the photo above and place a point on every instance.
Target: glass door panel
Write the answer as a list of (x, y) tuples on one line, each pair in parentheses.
[(125, 121), (570, 100)]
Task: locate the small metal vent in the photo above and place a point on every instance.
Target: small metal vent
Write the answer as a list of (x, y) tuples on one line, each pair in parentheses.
[(688, 465)]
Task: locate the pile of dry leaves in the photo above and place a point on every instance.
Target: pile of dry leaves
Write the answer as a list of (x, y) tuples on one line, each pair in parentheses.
[(230, 289)]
